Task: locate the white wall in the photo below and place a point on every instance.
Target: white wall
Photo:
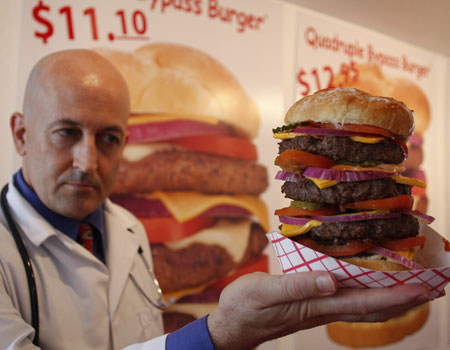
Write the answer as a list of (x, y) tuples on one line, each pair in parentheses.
[(10, 23)]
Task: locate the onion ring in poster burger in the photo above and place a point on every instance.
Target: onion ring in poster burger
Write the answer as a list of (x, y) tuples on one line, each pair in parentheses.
[(190, 173), (340, 156)]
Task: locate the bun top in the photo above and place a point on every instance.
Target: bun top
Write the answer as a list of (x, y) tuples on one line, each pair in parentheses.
[(353, 106), (175, 79)]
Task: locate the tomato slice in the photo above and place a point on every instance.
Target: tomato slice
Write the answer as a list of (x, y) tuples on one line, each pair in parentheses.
[(364, 129), (219, 144), (167, 229), (349, 248), (446, 244), (260, 264), (291, 211), (295, 160), (405, 243), (397, 202)]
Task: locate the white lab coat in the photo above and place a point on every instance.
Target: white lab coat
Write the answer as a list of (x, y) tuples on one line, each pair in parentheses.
[(83, 304)]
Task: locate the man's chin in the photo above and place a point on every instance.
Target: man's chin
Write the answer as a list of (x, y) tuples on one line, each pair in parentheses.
[(78, 207)]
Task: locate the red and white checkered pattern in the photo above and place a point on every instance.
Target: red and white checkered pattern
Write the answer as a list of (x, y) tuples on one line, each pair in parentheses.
[(294, 257)]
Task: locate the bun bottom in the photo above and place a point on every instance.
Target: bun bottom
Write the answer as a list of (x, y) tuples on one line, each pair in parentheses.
[(362, 334), (376, 262)]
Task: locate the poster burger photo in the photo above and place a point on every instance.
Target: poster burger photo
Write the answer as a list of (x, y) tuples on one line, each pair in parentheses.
[(190, 174), (351, 209)]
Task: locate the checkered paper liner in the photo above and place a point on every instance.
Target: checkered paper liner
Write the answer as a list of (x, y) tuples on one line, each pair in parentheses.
[(294, 257)]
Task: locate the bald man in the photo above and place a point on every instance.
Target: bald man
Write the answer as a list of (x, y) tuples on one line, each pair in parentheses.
[(91, 258)]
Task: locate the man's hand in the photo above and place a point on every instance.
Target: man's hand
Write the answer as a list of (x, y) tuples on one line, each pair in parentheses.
[(260, 307)]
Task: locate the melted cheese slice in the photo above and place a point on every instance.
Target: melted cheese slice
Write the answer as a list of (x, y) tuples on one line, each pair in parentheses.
[(295, 230), (409, 254), (158, 118), (137, 152), (323, 183), (187, 205), (409, 181), (362, 139), (398, 179), (233, 236)]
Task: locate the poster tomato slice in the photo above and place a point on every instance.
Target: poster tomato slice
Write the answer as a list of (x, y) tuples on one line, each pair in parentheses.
[(405, 243), (397, 202), (219, 144), (167, 229), (260, 264), (350, 248), (295, 160)]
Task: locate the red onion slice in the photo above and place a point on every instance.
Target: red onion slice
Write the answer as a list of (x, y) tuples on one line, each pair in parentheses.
[(335, 132), (159, 131), (152, 208), (287, 176), (427, 219), (345, 176), (142, 207), (397, 257), (338, 218)]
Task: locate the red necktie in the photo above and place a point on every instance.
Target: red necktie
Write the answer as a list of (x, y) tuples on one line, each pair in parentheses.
[(86, 237)]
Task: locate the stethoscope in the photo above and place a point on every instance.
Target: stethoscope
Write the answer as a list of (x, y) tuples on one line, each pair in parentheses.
[(26, 263), (160, 303)]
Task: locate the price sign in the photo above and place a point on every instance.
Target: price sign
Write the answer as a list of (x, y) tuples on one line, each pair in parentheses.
[(312, 79), (132, 23)]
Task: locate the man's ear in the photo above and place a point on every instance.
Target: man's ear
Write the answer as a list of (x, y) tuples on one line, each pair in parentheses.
[(17, 124)]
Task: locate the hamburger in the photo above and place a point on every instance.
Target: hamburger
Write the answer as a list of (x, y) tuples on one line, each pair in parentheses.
[(341, 152), (190, 173)]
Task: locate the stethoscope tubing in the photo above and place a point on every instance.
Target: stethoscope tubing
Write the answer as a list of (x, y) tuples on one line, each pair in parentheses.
[(26, 263)]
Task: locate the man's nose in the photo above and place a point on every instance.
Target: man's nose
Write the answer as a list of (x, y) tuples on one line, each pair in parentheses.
[(85, 154)]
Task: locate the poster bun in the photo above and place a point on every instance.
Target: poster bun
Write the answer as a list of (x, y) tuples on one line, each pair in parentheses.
[(353, 106), (132, 69), (361, 334), (369, 79), (188, 81), (412, 95)]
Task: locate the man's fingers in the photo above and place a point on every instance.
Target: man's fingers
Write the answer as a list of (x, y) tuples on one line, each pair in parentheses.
[(363, 302), (296, 287)]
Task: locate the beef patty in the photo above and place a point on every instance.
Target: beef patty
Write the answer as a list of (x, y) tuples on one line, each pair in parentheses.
[(191, 171), (344, 192), (378, 230), (344, 149), (199, 264)]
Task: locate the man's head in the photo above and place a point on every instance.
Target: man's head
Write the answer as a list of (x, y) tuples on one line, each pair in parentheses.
[(72, 131)]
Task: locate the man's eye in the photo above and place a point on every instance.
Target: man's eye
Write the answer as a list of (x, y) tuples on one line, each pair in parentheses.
[(68, 132), (111, 139)]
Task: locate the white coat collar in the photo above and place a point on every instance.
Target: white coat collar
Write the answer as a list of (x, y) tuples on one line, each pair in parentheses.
[(121, 243), (33, 225)]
